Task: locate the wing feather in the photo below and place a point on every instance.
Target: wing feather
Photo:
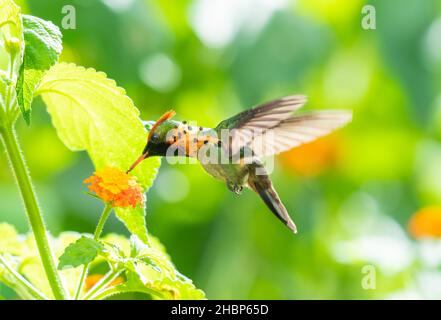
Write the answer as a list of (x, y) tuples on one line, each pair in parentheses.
[(247, 124), (297, 130), (271, 128)]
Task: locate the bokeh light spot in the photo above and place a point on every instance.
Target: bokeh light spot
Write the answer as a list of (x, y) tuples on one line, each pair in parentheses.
[(172, 185), (160, 72), (432, 46), (216, 22), (119, 5)]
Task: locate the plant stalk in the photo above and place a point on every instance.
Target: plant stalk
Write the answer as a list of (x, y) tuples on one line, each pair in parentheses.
[(100, 226), (98, 230), (102, 284), (34, 215), (31, 290)]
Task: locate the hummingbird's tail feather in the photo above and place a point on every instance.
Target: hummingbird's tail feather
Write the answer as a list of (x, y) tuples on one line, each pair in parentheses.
[(262, 185)]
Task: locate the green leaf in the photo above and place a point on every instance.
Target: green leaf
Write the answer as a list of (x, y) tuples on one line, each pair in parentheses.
[(90, 112), (178, 289), (121, 242), (137, 283), (151, 256), (11, 29), (82, 251), (32, 269), (150, 270), (42, 43), (42, 48), (134, 219), (164, 286)]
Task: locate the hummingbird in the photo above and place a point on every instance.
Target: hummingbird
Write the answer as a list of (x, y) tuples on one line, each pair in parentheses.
[(233, 151)]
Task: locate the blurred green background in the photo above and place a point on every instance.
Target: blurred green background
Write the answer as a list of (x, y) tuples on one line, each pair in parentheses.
[(351, 194)]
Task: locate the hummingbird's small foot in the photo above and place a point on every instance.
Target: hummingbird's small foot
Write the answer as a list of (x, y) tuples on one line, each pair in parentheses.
[(238, 190), (234, 187)]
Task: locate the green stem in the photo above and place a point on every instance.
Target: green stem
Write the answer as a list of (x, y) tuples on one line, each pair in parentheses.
[(33, 210), (103, 283), (21, 292), (98, 230), (22, 281)]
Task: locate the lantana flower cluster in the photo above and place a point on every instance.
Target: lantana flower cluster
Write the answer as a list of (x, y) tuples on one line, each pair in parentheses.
[(116, 187)]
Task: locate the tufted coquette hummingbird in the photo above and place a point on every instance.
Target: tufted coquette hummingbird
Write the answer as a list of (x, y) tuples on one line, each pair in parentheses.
[(233, 150)]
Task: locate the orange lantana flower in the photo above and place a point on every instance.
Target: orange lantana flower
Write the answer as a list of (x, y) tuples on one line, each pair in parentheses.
[(426, 223), (116, 187), (92, 279)]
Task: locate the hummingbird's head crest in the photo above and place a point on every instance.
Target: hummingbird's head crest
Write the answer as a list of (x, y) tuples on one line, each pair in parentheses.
[(166, 116)]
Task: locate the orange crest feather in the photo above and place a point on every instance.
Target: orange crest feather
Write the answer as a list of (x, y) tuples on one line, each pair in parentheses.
[(166, 116)]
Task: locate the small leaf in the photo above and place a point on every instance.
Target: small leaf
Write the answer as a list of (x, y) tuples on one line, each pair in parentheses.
[(90, 112), (42, 48), (82, 251)]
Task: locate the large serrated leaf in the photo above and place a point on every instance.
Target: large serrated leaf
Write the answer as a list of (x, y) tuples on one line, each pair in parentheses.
[(90, 112), (42, 48)]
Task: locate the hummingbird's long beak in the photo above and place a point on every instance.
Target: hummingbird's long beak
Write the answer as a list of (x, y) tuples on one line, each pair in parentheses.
[(133, 166)]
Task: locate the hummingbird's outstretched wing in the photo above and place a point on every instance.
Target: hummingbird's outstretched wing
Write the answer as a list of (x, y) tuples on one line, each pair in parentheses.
[(271, 128), (244, 126), (297, 130)]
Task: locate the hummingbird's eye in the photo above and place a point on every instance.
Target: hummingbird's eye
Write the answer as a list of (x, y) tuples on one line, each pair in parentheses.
[(155, 138)]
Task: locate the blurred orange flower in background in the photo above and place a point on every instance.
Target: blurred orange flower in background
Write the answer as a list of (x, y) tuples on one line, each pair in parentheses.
[(426, 223), (92, 279), (312, 158), (116, 187)]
